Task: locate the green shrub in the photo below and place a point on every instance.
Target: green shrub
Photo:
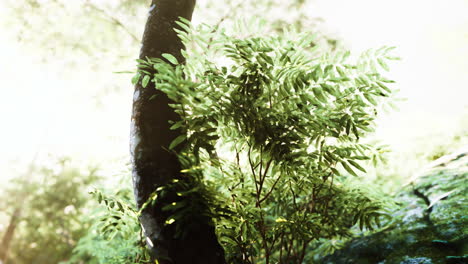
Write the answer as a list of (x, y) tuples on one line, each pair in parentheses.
[(115, 235), (272, 129), (51, 201)]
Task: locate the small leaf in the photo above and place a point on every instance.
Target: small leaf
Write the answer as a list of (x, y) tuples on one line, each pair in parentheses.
[(383, 64), (356, 165), (348, 126), (184, 23), (377, 221), (388, 49), (174, 206), (387, 80), (280, 220), (341, 71), (440, 197), (361, 222), (136, 78), (355, 131), (369, 98), (335, 171), (383, 86), (317, 73), (319, 94), (120, 206), (348, 169), (177, 141), (170, 221), (328, 68), (340, 79), (392, 58), (356, 217), (360, 157), (176, 125), (170, 58), (145, 81)]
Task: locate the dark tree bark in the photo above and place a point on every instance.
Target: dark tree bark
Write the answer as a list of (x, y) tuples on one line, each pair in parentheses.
[(8, 236), (153, 165)]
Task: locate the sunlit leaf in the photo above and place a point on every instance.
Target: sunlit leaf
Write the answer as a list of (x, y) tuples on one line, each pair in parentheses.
[(170, 58)]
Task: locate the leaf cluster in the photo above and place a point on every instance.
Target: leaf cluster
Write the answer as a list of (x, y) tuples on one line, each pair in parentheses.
[(115, 235), (275, 126), (51, 200)]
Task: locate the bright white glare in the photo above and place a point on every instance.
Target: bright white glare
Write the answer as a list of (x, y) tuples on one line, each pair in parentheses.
[(44, 111), (432, 39)]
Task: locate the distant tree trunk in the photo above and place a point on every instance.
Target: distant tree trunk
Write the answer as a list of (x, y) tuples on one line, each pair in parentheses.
[(153, 165), (8, 236)]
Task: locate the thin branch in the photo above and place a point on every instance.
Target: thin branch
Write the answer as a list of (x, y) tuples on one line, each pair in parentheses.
[(253, 173), (290, 246), (263, 180), (261, 160), (113, 20), (261, 227), (270, 191), (294, 196), (220, 21), (281, 246), (304, 249)]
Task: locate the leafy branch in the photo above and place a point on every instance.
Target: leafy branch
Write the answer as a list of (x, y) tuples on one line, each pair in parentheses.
[(267, 122)]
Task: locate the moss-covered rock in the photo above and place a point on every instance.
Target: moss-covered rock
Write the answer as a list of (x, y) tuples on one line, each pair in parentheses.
[(430, 228)]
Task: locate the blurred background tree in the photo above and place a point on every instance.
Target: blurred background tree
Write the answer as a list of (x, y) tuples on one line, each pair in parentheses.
[(47, 206)]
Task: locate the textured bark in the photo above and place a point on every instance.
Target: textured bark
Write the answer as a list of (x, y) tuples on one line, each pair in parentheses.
[(8, 236), (153, 165)]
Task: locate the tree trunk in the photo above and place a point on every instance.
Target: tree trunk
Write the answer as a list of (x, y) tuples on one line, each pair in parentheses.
[(153, 165), (8, 236)]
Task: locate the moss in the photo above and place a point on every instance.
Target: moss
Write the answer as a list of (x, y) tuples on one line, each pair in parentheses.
[(430, 227), (417, 260)]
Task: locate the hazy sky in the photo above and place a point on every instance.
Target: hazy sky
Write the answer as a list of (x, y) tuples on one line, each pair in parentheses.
[(38, 111), (431, 37)]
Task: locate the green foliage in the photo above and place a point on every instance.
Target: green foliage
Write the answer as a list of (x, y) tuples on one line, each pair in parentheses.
[(51, 200), (275, 126), (115, 235), (195, 202)]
